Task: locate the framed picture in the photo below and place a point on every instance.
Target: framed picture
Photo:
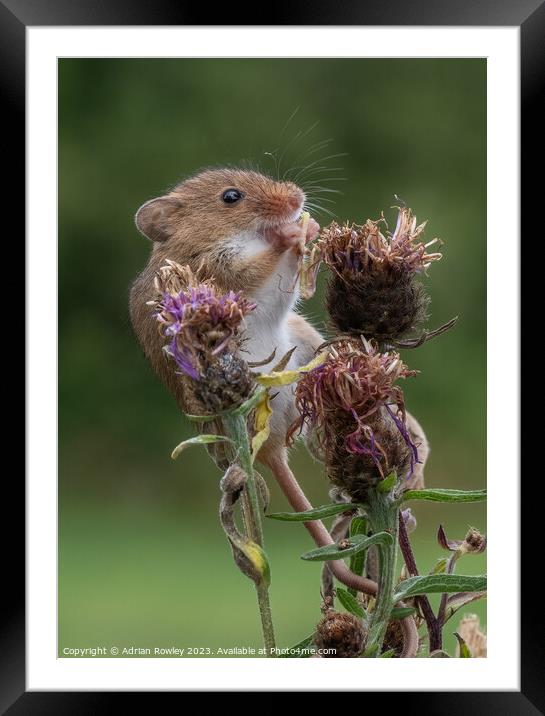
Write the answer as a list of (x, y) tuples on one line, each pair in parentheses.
[(309, 233)]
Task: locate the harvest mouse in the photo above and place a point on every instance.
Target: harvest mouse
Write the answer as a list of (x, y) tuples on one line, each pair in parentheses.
[(240, 228)]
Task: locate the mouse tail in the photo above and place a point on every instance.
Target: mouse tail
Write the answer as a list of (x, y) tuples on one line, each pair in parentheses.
[(278, 463)]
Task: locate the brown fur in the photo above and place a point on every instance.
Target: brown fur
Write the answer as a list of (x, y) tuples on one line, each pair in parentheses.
[(192, 225)]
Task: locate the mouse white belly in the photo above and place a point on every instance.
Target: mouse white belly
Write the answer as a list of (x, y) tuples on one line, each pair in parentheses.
[(268, 330)]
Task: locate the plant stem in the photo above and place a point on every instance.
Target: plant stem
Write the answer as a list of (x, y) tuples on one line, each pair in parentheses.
[(251, 511), (300, 503), (383, 516), (432, 623), (451, 563)]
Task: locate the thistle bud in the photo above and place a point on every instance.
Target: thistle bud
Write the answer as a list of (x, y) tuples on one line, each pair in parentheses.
[(373, 289), (340, 635), (226, 382), (473, 543), (393, 639)]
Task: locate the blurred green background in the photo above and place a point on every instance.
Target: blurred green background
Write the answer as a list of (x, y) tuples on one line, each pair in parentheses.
[(142, 559)]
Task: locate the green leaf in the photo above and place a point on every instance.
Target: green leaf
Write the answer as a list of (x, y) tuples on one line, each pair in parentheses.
[(317, 513), (439, 584), (349, 602), (402, 612), (301, 649), (370, 651), (250, 403), (356, 544), (445, 495), (243, 409), (388, 654), (202, 418), (358, 526), (388, 483), (463, 647), (198, 440)]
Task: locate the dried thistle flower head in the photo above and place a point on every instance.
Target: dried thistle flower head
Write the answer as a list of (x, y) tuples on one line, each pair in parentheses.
[(203, 329), (475, 639), (342, 633), (373, 290), (393, 639), (473, 543), (356, 415)]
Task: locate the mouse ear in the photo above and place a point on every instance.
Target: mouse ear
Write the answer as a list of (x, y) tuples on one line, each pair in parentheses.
[(154, 219)]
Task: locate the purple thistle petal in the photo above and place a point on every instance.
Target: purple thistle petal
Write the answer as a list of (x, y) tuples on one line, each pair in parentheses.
[(183, 360), (200, 322)]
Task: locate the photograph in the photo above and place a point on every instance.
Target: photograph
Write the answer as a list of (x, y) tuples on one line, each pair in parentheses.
[(272, 357)]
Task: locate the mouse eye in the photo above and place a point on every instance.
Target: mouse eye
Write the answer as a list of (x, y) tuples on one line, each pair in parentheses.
[(230, 196)]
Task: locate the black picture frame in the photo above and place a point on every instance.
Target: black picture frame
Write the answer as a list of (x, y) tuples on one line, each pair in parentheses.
[(15, 16)]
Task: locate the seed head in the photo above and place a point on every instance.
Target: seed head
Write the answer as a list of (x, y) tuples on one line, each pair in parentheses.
[(474, 542), (341, 632), (373, 290), (226, 382), (393, 639)]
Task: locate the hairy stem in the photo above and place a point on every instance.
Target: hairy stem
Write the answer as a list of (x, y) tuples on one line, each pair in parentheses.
[(251, 511), (383, 516), (451, 563)]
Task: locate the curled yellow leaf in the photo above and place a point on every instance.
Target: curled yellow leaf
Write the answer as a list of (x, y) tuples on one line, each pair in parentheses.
[(286, 377), (263, 412)]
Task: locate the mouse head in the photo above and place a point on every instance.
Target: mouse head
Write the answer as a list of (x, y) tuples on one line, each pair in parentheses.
[(216, 205)]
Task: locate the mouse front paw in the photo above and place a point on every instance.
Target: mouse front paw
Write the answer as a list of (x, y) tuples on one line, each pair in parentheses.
[(290, 236), (313, 229), (287, 236)]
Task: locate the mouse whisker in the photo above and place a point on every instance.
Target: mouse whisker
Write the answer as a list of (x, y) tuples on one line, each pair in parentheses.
[(318, 189), (321, 198), (301, 134), (309, 187), (317, 147), (318, 161), (327, 158), (292, 115), (318, 170), (319, 209), (272, 155)]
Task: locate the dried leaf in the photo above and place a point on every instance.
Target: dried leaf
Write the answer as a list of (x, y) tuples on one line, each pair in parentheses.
[(290, 376), (263, 412)]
